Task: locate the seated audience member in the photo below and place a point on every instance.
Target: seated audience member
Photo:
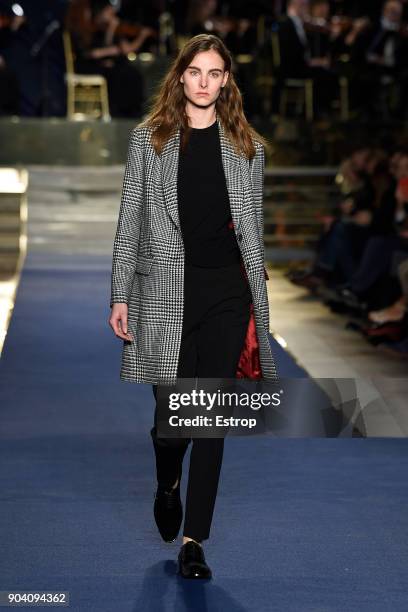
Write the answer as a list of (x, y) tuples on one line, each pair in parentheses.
[(376, 263), (370, 226), (318, 34), (384, 183), (344, 31), (380, 57), (296, 60), (343, 238), (101, 48)]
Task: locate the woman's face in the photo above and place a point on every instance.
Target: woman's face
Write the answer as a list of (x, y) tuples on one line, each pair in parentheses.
[(204, 77)]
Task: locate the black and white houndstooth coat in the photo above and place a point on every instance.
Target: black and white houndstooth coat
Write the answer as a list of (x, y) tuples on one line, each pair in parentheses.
[(148, 253)]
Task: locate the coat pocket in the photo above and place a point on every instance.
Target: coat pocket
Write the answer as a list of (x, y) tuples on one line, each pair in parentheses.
[(143, 264)]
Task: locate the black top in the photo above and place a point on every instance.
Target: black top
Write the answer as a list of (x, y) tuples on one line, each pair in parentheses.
[(204, 207)]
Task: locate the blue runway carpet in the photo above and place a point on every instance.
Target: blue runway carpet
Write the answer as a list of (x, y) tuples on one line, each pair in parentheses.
[(300, 525)]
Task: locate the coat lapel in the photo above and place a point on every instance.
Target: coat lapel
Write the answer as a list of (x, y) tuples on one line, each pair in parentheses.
[(233, 164)]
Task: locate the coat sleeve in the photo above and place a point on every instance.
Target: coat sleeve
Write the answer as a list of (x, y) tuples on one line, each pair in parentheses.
[(257, 179), (129, 222)]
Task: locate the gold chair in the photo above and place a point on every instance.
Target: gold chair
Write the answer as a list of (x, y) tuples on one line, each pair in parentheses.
[(264, 79), (86, 91)]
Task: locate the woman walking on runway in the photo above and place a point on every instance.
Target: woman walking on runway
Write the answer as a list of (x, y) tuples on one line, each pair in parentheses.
[(189, 296)]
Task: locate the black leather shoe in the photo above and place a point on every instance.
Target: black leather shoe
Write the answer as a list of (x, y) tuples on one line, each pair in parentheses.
[(168, 512), (191, 561)]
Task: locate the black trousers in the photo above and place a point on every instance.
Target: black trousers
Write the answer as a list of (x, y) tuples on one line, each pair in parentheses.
[(215, 320)]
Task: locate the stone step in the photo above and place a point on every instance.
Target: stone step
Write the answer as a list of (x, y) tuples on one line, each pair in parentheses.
[(8, 264), (9, 243), (9, 223), (298, 239), (10, 203), (82, 179)]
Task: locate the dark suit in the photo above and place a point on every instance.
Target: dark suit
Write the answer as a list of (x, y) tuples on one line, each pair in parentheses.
[(293, 52), (369, 82), (294, 56), (374, 40)]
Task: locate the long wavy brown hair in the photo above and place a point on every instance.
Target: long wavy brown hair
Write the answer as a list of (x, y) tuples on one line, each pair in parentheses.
[(167, 110)]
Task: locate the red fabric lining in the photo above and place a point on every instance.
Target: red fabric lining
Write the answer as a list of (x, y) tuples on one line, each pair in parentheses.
[(249, 364)]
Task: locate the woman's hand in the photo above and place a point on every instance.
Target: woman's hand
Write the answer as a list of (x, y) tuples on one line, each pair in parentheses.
[(118, 320)]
